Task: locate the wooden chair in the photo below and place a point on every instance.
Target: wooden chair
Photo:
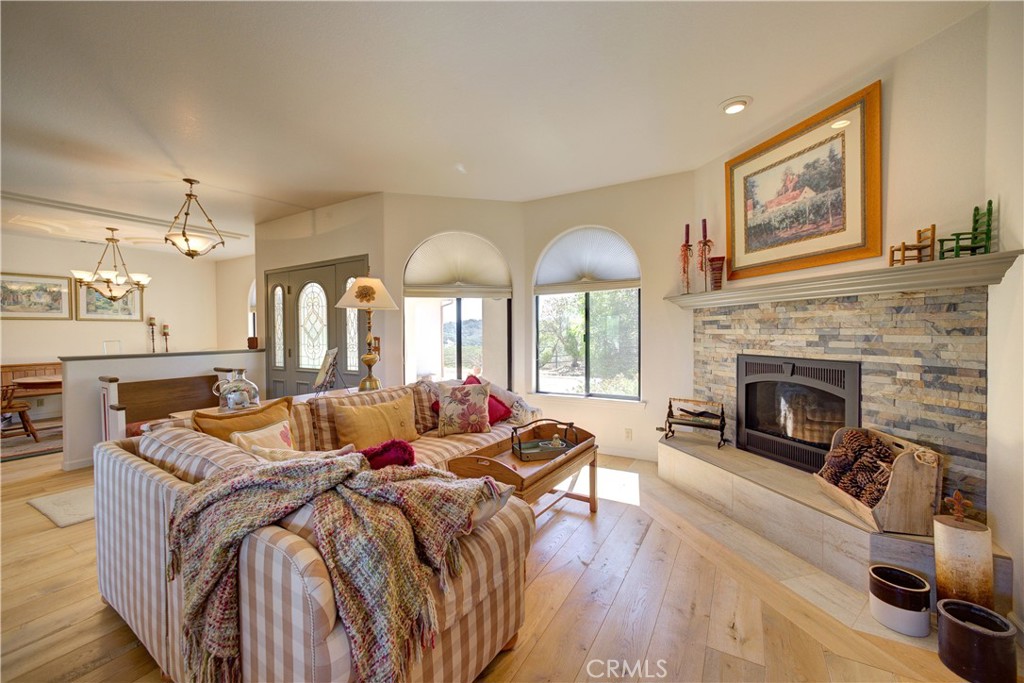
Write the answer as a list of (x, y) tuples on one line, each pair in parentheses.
[(977, 241), (921, 250), (9, 405)]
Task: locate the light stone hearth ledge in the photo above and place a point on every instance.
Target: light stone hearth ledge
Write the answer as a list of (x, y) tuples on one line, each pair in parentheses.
[(966, 271), (787, 507)]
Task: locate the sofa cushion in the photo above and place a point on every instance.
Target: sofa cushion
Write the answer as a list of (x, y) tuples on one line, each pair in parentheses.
[(424, 394), (436, 451), (324, 426), (367, 426), (277, 435), (463, 410), (190, 455), (222, 425), (279, 454), (302, 427)]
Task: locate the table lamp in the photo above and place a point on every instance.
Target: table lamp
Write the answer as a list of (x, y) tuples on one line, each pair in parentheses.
[(368, 294)]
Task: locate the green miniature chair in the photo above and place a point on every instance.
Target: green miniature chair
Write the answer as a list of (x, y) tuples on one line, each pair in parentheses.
[(977, 241)]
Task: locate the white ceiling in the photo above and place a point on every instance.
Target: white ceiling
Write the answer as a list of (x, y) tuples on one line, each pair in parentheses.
[(279, 107)]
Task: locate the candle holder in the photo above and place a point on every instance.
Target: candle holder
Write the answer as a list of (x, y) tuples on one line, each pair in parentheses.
[(703, 250), (152, 334), (685, 252), (166, 333)]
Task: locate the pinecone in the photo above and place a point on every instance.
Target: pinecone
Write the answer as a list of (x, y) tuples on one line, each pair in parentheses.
[(831, 473), (881, 452), (866, 463), (841, 458), (864, 478), (857, 440), (871, 494), (848, 484)]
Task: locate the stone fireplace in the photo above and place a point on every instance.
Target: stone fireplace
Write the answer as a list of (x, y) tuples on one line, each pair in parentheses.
[(787, 409), (922, 357)]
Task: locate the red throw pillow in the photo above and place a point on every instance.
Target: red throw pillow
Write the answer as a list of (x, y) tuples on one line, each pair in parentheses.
[(394, 452), (496, 408)]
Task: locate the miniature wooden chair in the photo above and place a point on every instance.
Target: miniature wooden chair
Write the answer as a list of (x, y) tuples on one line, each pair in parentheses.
[(921, 250), (9, 405), (977, 241)]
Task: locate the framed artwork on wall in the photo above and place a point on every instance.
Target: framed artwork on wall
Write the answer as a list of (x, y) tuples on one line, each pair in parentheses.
[(93, 306), (811, 195), (35, 297)]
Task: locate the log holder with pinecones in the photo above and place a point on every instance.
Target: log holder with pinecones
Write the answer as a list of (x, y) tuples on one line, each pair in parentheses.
[(889, 483)]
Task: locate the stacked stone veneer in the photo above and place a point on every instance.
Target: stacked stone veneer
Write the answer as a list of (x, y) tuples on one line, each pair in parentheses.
[(922, 355)]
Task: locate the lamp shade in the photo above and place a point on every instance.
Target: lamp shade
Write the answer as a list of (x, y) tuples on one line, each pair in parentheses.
[(367, 293)]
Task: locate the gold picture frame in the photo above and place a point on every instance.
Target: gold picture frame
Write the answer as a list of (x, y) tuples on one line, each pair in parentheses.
[(35, 297), (811, 195)]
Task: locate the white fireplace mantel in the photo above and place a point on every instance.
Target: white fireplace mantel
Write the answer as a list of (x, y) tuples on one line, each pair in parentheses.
[(972, 271)]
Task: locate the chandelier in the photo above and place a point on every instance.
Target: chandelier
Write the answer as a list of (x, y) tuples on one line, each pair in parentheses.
[(192, 245), (115, 283)]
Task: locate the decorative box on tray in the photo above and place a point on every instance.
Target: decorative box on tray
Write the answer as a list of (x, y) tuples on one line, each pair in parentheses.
[(899, 492)]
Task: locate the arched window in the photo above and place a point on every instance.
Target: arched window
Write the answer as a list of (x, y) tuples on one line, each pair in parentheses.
[(312, 318), (587, 293), (351, 334), (278, 296), (458, 291)]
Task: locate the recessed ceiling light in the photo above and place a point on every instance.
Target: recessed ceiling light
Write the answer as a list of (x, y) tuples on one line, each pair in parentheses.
[(734, 105), (843, 123), (461, 169)]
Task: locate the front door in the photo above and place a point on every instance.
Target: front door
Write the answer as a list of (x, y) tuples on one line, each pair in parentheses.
[(302, 324)]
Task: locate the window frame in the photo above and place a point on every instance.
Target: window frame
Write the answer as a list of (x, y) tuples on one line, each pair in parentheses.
[(586, 349)]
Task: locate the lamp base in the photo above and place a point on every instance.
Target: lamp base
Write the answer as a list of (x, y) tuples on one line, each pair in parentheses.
[(369, 383)]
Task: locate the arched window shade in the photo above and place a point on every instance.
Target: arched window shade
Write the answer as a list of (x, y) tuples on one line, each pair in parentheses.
[(587, 259), (457, 264)]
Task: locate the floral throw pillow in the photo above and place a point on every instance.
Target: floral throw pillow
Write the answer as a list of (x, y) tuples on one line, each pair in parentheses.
[(463, 410)]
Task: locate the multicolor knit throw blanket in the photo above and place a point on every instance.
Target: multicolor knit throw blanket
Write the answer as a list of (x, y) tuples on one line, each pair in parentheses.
[(383, 534)]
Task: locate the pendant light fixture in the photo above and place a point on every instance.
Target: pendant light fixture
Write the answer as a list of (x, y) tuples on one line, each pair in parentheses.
[(116, 282), (193, 244)]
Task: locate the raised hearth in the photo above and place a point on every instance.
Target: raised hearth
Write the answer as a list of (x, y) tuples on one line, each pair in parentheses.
[(787, 507)]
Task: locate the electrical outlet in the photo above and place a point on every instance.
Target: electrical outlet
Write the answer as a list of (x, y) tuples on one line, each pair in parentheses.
[(629, 434), (39, 403)]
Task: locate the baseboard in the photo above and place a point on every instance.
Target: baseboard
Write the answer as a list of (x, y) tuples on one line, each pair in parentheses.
[(68, 465)]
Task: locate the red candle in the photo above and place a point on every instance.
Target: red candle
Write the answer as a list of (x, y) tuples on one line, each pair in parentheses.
[(687, 239), (704, 228)]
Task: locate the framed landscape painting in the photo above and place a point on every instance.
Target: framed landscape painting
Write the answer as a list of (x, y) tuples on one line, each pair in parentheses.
[(35, 297), (811, 195), (93, 306)]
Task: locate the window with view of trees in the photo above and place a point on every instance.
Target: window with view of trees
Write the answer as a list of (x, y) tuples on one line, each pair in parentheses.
[(588, 316), (588, 343)]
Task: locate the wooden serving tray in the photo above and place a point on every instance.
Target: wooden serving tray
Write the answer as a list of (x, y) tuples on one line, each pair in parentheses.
[(531, 479)]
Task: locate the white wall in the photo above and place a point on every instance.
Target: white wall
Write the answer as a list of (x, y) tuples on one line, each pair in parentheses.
[(650, 215), (181, 294), (1004, 184), (234, 278)]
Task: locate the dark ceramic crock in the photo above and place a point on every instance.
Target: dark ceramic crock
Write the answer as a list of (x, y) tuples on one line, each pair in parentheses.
[(976, 643)]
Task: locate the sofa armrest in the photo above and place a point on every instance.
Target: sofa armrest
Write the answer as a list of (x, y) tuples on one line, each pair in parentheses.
[(287, 611)]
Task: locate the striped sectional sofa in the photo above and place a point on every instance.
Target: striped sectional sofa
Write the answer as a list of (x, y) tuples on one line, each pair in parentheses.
[(289, 624)]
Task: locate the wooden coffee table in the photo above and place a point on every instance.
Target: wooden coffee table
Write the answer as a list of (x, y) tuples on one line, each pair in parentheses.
[(536, 478)]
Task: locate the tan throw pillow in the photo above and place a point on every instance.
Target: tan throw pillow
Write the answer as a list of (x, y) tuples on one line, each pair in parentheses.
[(281, 454), (463, 410), (190, 455), (366, 426), (222, 425), (277, 435)]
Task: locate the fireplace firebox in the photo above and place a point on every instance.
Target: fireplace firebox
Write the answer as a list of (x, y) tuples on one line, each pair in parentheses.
[(787, 409)]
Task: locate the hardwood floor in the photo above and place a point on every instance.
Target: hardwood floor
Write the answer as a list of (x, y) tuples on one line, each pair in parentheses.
[(619, 595)]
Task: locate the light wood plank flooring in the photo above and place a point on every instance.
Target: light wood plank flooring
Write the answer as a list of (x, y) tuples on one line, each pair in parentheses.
[(621, 595)]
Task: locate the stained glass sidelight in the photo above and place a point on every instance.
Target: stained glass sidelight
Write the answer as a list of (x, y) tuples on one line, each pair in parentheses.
[(351, 334), (278, 327), (312, 326)]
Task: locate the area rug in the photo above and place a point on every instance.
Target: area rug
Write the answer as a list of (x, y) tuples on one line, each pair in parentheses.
[(51, 440), (67, 507)]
